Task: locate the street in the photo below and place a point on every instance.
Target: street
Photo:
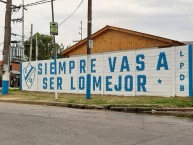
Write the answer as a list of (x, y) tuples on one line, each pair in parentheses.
[(22, 124)]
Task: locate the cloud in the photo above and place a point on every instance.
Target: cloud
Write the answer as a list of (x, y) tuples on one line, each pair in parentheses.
[(159, 17)]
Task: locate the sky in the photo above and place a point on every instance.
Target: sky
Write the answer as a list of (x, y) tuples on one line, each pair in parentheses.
[(166, 18)]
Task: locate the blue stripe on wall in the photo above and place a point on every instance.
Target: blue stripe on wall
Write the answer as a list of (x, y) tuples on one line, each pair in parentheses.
[(20, 76), (190, 69), (88, 86)]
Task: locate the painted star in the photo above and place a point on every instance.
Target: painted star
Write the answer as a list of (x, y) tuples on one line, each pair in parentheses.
[(159, 81)]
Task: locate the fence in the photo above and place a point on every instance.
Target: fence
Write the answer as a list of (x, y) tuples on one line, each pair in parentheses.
[(149, 72)]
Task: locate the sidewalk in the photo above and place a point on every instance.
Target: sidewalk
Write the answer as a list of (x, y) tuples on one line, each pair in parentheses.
[(180, 111)]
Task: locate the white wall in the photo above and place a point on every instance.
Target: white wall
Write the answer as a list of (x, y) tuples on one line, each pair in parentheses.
[(149, 72)]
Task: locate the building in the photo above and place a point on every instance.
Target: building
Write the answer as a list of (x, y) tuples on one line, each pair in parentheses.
[(16, 52), (16, 57), (112, 38), (123, 62), (14, 74)]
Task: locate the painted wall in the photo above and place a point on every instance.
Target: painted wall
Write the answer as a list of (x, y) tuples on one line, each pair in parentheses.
[(154, 72)]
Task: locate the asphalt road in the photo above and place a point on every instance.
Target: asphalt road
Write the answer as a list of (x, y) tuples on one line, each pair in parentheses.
[(42, 125)]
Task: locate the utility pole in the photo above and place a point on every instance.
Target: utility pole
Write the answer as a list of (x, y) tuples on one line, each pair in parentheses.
[(89, 26), (22, 21), (23, 8), (89, 40), (31, 44), (55, 51), (80, 30), (36, 47), (7, 40)]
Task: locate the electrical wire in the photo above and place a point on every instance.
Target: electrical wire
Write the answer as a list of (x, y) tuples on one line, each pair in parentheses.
[(37, 3), (46, 1), (3, 1), (13, 15), (14, 34), (71, 14)]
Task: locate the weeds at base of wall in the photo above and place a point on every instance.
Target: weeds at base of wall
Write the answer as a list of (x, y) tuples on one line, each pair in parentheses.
[(101, 100)]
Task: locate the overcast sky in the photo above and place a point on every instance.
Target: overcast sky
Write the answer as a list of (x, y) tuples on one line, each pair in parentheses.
[(167, 18)]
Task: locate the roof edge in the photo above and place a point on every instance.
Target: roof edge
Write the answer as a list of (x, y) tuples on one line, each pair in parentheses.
[(125, 31)]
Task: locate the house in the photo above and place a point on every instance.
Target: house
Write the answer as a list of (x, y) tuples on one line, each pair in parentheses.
[(15, 74), (112, 38)]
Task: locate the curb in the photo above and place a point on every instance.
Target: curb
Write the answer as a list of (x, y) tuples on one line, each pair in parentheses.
[(150, 110)]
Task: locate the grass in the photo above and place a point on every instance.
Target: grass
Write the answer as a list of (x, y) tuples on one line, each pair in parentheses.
[(138, 101)]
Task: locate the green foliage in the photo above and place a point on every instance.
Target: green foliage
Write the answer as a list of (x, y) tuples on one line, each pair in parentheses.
[(46, 47)]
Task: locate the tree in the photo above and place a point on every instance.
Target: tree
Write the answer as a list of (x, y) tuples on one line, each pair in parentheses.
[(46, 47), (60, 50)]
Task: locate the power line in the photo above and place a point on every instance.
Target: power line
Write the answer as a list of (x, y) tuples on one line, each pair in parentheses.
[(72, 13), (69, 15), (18, 35), (37, 3), (16, 23), (46, 1), (3, 1), (6, 3)]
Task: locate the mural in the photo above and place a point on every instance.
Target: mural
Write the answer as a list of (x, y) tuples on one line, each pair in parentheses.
[(148, 72)]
